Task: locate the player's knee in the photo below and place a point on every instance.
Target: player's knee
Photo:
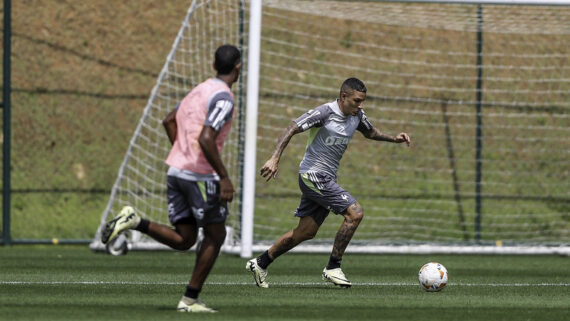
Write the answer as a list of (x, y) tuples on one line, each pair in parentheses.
[(217, 235), (308, 235), (185, 245), (220, 238), (358, 216), (355, 213), (303, 234)]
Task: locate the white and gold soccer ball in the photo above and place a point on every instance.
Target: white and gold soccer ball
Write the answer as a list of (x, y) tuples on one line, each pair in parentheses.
[(433, 277)]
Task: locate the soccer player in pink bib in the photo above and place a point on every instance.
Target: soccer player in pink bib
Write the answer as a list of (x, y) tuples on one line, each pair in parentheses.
[(198, 185)]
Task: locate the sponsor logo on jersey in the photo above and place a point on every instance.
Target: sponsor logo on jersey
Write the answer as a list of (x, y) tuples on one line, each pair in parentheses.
[(334, 140)]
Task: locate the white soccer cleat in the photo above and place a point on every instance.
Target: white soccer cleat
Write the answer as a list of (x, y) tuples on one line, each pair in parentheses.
[(193, 305), (336, 277), (126, 219), (259, 274)]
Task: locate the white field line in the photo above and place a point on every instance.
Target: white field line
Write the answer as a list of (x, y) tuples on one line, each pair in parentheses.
[(273, 283)]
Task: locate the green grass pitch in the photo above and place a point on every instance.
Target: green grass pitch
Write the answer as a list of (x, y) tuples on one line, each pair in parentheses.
[(72, 283)]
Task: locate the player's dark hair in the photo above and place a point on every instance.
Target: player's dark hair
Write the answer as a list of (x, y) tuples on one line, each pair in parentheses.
[(352, 84), (226, 58)]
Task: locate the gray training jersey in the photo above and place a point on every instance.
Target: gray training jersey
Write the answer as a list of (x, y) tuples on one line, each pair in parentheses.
[(329, 135)]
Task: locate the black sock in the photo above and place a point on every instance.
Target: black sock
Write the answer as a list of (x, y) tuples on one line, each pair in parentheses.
[(143, 226), (192, 292), (264, 260), (334, 263)]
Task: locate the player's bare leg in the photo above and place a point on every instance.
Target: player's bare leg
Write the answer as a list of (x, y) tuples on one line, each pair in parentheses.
[(305, 230), (181, 238), (214, 236), (332, 271)]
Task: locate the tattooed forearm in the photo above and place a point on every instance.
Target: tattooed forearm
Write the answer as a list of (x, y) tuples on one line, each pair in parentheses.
[(284, 139), (378, 135)]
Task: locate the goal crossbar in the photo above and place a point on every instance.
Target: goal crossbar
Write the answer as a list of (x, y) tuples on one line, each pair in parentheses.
[(486, 2)]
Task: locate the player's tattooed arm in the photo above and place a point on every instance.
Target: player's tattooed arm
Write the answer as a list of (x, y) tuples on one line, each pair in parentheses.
[(271, 167), (375, 134)]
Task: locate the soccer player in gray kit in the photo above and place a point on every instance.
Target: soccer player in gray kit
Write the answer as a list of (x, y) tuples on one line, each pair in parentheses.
[(331, 127)]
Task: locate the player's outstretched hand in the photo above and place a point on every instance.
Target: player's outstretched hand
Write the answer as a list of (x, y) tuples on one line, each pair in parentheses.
[(226, 190), (270, 169), (403, 137)]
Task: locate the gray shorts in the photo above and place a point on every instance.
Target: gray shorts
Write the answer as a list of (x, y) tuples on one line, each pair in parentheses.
[(194, 203), (321, 194)]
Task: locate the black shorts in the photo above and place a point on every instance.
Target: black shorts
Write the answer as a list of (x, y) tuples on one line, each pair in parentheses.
[(321, 194), (197, 203)]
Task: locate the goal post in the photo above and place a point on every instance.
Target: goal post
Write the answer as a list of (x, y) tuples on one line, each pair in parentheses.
[(250, 169), (481, 86)]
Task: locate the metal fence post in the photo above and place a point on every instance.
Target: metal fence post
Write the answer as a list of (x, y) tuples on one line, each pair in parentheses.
[(6, 105), (479, 128)]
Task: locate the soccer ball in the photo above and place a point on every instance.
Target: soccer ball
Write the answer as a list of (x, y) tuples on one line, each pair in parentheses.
[(433, 277)]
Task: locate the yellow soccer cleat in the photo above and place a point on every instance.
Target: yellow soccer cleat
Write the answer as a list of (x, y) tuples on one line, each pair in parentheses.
[(259, 274), (127, 219)]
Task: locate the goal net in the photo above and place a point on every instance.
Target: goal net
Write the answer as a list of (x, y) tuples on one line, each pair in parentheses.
[(483, 91)]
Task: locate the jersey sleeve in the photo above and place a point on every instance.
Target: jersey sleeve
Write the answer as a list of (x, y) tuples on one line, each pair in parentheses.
[(364, 126), (220, 110), (313, 118)]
